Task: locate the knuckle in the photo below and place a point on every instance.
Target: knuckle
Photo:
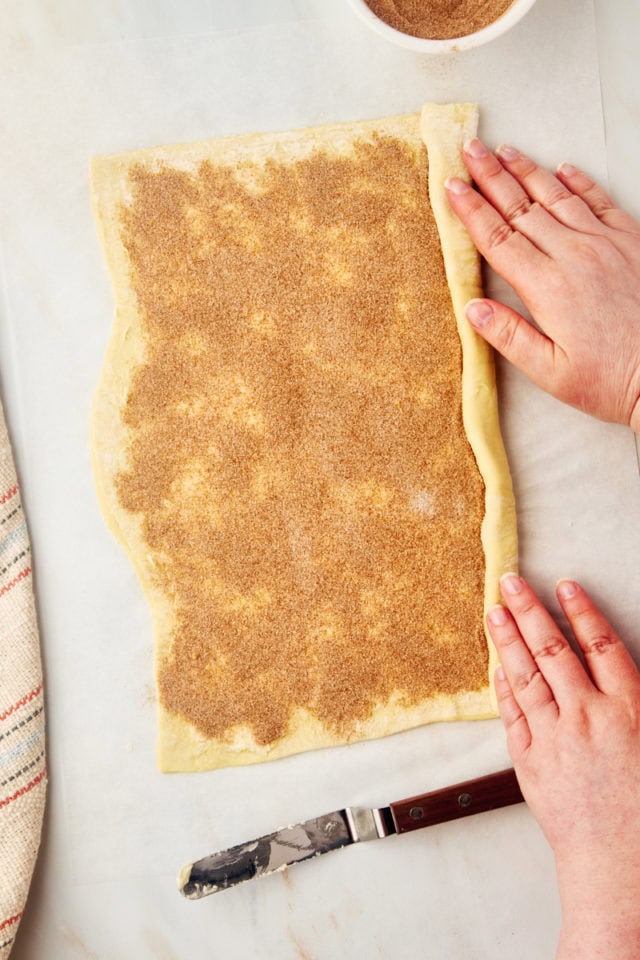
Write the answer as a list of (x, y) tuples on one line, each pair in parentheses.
[(498, 235), (575, 203), (600, 643), (552, 647), (601, 207), (531, 691), (523, 681), (518, 209), (556, 194)]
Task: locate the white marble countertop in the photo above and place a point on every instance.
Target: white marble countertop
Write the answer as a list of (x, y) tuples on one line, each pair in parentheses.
[(87, 76)]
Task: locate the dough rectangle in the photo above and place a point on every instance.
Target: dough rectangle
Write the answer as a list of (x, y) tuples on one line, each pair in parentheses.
[(292, 441)]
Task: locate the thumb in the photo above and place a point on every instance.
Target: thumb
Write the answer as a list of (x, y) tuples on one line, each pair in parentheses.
[(515, 338)]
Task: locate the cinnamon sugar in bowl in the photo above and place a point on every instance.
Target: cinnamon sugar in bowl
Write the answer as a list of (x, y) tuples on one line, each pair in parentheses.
[(440, 26)]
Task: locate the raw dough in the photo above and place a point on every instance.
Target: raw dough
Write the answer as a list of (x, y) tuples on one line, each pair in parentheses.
[(247, 168), (445, 128)]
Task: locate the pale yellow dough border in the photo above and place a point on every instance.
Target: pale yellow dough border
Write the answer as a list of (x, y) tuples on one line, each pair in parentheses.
[(180, 745), (445, 128)]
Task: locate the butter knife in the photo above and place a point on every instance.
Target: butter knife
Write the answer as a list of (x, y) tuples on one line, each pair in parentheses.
[(293, 844)]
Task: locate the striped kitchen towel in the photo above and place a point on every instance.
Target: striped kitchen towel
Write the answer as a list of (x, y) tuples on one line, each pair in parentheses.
[(22, 743)]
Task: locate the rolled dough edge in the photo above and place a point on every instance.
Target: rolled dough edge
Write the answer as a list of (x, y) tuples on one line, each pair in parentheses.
[(445, 128)]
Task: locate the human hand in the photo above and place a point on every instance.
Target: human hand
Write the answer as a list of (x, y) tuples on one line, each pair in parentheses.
[(573, 258), (574, 739)]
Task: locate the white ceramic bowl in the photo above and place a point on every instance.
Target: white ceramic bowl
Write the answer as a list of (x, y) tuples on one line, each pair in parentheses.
[(515, 12)]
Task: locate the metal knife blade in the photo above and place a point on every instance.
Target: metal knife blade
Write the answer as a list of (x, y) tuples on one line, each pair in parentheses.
[(300, 842), (280, 849)]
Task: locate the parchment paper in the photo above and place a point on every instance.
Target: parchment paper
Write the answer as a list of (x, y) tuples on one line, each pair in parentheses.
[(118, 829)]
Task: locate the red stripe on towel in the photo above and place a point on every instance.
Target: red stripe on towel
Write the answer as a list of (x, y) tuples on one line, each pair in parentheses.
[(21, 792), (3, 499), (23, 573), (28, 697), (7, 923)]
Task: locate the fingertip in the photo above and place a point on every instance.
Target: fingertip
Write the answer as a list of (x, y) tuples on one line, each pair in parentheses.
[(566, 589), (456, 186), (511, 584), (479, 313), (567, 170), (476, 149), (497, 616), (508, 153)]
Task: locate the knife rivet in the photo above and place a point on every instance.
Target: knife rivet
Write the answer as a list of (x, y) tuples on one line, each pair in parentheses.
[(465, 800), (416, 813)]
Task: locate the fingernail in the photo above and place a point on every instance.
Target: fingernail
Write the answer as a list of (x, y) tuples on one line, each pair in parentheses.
[(511, 583), (497, 616), (499, 675), (507, 153), (567, 170), (455, 185), (476, 148), (566, 589), (479, 313)]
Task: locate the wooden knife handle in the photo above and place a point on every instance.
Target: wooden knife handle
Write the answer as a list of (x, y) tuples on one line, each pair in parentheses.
[(461, 800)]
